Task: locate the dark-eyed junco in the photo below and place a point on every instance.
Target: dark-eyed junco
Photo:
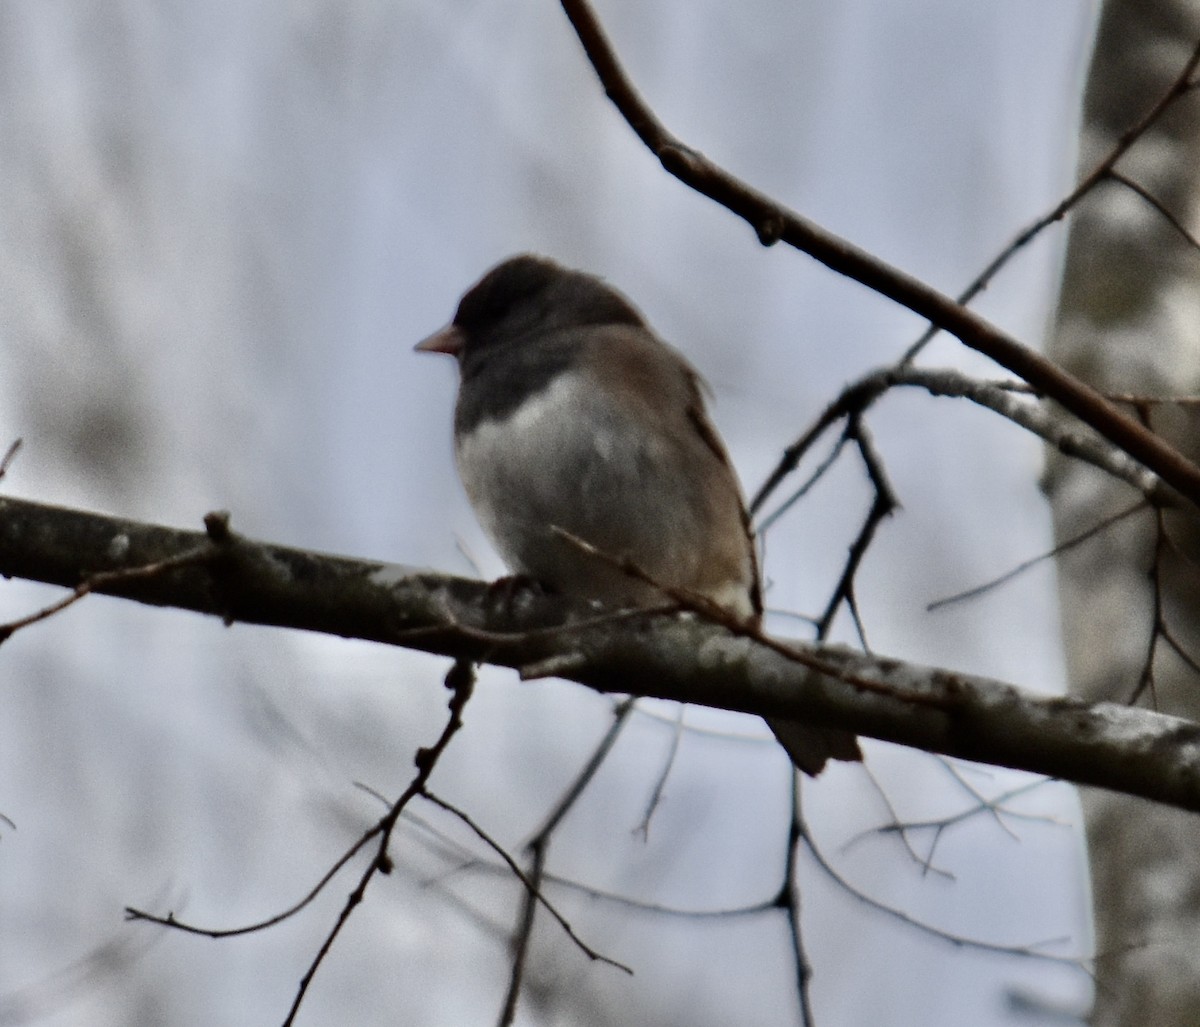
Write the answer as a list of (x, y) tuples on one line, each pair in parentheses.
[(573, 414)]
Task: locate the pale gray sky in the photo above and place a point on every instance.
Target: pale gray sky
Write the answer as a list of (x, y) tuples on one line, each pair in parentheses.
[(224, 227)]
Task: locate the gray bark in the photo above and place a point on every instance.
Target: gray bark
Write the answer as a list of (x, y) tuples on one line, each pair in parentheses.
[(682, 658), (1129, 322)]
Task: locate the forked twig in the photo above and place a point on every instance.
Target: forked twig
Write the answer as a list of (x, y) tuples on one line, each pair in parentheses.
[(520, 875)]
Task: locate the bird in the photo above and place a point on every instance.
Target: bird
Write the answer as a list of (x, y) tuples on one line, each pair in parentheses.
[(575, 423)]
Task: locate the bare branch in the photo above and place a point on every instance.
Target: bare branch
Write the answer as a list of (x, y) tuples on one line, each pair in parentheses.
[(539, 847), (773, 222), (1063, 547), (678, 657), (460, 679), (1104, 169), (1010, 399), (535, 893), (790, 900), (10, 455), (1158, 205), (1029, 951), (660, 783), (882, 507)]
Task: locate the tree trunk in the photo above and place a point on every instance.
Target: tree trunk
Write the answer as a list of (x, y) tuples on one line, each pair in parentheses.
[(1129, 322)]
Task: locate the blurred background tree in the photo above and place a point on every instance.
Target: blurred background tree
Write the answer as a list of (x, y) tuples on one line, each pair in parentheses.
[(1129, 323)]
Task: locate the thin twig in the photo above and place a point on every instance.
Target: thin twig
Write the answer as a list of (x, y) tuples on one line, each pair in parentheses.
[(1177, 89), (106, 579), (789, 898), (882, 507), (1063, 547), (660, 783), (693, 602), (1006, 398), (1179, 649), (9, 456), (925, 862), (1146, 679), (940, 825), (539, 847), (855, 398), (1158, 205), (1029, 951), (460, 679), (535, 893), (449, 848), (799, 493)]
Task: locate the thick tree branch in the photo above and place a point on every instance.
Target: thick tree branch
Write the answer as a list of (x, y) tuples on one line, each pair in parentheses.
[(677, 657)]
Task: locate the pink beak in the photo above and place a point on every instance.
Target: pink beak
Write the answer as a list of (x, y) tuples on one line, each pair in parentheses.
[(449, 341)]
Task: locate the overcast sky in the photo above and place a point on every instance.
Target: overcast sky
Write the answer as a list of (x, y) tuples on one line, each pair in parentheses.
[(226, 224)]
